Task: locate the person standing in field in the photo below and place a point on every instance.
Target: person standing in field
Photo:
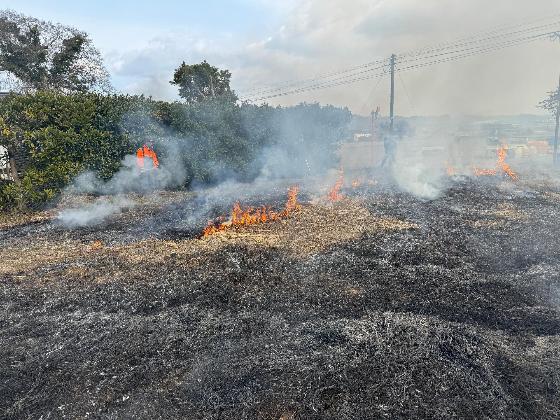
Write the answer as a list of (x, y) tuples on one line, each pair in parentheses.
[(146, 157)]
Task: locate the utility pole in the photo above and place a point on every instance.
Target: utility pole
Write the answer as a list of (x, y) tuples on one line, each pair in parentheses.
[(392, 64), (555, 155)]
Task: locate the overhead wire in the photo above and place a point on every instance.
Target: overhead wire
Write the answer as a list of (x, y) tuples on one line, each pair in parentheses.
[(340, 75), (431, 61), (472, 45), (482, 50), (474, 39), (290, 83), (312, 82), (372, 93), (412, 108)]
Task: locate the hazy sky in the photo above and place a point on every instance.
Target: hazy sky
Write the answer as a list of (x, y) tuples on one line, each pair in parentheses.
[(264, 42)]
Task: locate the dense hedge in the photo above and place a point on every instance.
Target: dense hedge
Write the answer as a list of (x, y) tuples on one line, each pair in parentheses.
[(63, 135)]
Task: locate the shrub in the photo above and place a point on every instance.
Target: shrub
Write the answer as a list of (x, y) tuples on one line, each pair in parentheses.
[(62, 135)]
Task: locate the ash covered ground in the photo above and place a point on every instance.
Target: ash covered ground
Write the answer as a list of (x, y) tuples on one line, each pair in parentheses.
[(378, 306)]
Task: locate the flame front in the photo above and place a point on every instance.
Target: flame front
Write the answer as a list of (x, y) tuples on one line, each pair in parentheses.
[(484, 172), (500, 165), (253, 216)]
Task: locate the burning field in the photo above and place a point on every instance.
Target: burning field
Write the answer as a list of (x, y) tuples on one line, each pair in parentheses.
[(370, 304)]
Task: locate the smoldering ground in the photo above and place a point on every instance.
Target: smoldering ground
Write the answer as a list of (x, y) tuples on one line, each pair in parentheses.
[(418, 309)]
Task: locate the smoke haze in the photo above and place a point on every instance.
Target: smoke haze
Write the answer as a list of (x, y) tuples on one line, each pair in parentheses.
[(129, 179)]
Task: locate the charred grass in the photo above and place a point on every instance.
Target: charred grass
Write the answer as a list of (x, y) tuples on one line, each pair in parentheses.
[(380, 306)]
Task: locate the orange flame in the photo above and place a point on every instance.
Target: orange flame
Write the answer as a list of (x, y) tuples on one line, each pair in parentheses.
[(292, 203), (252, 216), (96, 245), (500, 165), (502, 152), (450, 169), (334, 193), (484, 172)]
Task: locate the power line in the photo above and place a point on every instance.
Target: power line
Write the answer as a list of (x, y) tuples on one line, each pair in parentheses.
[(342, 81), (482, 50), (406, 91), (468, 45), (280, 85), (294, 85), (476, 35), (372, 93), (473, 44)]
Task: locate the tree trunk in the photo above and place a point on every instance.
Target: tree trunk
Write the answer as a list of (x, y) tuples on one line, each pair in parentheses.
[(13, 166), (212, 87)]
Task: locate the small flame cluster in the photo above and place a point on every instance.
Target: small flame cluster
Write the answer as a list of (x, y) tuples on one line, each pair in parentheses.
[(253, 216), (334, 193), (450, 169), (484, 172), (500, 164)]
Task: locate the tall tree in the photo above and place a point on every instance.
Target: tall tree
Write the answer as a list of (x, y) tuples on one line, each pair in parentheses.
[(198, 82), (38, 55)]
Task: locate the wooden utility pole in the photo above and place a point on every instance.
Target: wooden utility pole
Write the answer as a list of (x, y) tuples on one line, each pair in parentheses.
[(392, 64), (555, 155)]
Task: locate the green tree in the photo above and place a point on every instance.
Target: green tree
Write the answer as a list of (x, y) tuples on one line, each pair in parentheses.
[(38, 55), (198, 82)]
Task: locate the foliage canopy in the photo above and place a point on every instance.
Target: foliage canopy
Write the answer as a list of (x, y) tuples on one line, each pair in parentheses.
[(62, 135), (39, 55), (198, 82)]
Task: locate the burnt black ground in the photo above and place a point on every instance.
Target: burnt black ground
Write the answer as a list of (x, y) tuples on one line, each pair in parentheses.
[(459, 318)]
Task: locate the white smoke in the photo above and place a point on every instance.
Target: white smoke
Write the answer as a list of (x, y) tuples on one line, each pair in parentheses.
[(129, 179), (419, 166), (94, 213), (420, 180)]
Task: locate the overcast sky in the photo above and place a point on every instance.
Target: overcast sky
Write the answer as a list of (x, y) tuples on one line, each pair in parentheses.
[(263, 42)]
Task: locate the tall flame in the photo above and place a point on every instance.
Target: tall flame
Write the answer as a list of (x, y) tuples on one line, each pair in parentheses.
[(502, 153), (253, 216), (334, 193)]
